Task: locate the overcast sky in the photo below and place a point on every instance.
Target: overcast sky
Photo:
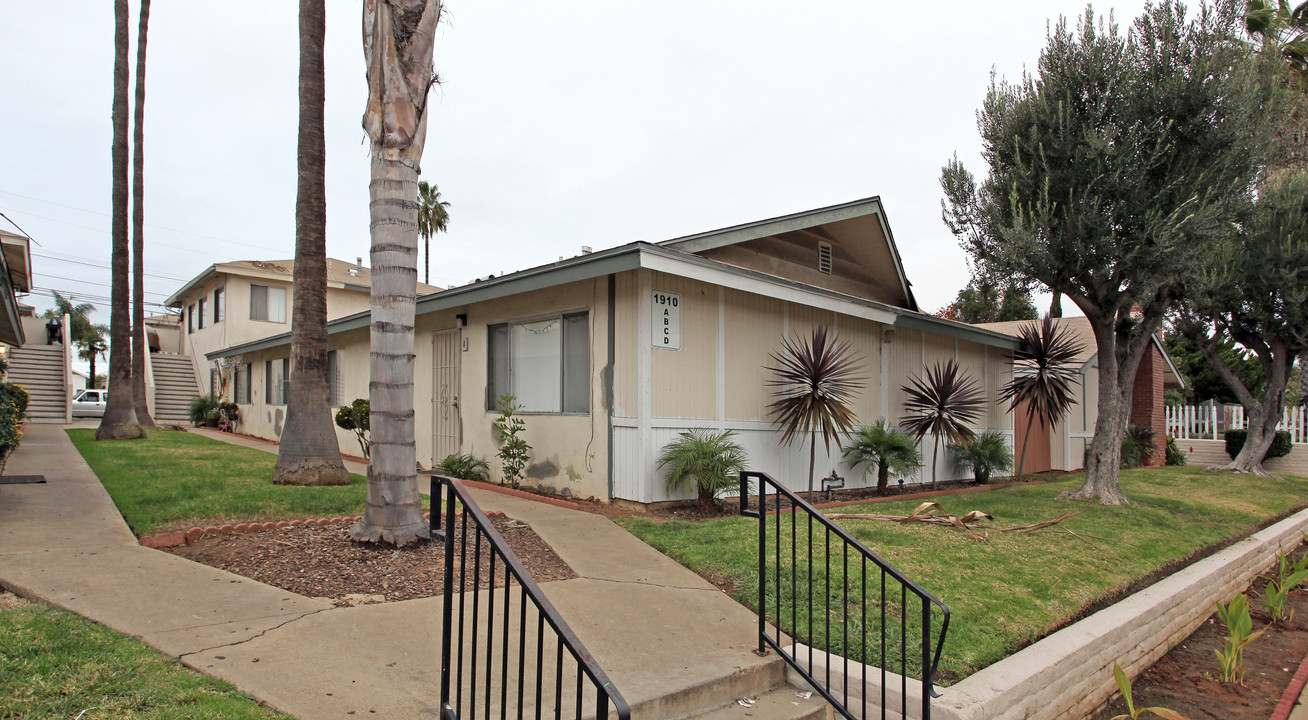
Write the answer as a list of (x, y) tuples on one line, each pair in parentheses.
[(559, 124)]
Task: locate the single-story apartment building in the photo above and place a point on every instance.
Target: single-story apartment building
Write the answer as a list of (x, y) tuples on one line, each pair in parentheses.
[(613, 353)]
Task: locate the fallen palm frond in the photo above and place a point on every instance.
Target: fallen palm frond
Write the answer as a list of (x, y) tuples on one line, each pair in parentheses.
[(932, 513)]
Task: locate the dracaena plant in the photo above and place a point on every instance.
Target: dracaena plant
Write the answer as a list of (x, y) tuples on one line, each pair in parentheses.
[(815, 380), (1044, 373), (942, 403)]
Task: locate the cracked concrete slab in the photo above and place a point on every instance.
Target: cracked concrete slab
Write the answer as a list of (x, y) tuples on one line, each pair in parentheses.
[(350, 662)]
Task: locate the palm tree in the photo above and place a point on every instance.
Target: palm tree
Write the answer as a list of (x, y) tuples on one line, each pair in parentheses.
[(942, 403), (1043, 376), (816, 379), (984, 456), (119, 421), (1283, 29), (397, 43), (309, 453), (85, 335), (433, 217), (139, 348), (888, 449), (710, 460)]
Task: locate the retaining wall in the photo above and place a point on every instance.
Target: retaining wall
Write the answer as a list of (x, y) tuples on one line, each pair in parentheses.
[(1069, 674), (1213, 452)]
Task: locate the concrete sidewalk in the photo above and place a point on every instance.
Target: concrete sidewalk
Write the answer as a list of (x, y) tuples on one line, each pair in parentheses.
[(672, 643)]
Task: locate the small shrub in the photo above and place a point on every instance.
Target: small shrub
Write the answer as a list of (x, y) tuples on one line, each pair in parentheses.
[(1235, 442), (355, 417), (1137, 445), (887, 449), (201, 407), (513, 448), (1132, 712), (1174, 455), (13, 408), (984, 456), (465, 466), (711, 460), (1239, 628)]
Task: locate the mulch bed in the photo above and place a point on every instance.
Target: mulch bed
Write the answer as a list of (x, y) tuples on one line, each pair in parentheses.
[(322, 561), (1185, 679)]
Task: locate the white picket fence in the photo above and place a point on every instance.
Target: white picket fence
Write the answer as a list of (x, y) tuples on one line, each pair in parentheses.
[(1191, 422)]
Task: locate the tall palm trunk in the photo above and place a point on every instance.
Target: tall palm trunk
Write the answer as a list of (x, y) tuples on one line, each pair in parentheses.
[(397, 42), (139, 348), (309, 453), (119, 421)]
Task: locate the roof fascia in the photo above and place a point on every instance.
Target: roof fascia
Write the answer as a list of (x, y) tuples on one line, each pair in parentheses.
[(774, 226), (958, 331)]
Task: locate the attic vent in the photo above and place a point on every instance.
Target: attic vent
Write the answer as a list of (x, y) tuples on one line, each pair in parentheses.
[(824, 258)]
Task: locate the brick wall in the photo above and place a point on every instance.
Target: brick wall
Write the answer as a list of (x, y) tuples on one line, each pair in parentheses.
[(1147, 405)]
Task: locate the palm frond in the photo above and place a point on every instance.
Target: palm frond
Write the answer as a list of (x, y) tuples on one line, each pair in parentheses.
[(877, 444)]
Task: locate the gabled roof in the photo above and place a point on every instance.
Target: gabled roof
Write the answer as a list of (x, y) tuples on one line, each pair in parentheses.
[(340, 274), (1080, 328), (664, 259), (807, 221)]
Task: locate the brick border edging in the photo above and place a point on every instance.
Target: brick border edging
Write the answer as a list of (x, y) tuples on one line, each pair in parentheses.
[(186, 537), (525, 495), (1292, 693)]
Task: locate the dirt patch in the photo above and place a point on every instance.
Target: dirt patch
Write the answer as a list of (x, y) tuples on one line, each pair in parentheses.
[(1185, 679), (10, 601), (322, 561)]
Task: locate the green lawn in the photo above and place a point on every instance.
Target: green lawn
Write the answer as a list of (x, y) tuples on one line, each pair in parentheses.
[(58, 665), (1002, 594), (175, 480)]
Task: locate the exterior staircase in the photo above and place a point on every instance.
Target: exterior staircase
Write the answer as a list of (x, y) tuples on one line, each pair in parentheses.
[(40, 370), (174, 386)]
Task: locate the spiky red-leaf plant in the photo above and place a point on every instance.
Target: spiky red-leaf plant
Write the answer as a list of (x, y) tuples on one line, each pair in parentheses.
[(1044, 372), (942, 403)]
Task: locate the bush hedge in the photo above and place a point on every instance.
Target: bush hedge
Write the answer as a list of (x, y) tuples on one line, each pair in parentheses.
[(1235, 442)]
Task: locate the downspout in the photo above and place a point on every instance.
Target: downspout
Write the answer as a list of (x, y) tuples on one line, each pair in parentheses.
[(610, 389)]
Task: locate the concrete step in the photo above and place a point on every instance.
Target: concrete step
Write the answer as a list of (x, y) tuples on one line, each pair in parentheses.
[(781, 703)]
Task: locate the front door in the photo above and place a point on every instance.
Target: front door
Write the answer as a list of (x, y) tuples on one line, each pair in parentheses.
[(445, 421)]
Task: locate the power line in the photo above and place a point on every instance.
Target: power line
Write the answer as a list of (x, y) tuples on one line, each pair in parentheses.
[(24, 232), (80, 295), (103, 266), (91, 282)]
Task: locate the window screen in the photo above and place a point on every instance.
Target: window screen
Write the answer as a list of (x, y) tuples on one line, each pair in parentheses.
[(200, 319), (275, 375), (219, 307), (334, 378), (242, 389), (544, 363), (267, 303)]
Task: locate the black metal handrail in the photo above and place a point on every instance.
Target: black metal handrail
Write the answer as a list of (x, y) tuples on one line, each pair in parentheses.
[(469, 672), (802, 627)]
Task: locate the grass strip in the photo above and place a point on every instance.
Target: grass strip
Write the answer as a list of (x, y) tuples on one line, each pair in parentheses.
[(1002, 594), (59, 665), (175, 480)]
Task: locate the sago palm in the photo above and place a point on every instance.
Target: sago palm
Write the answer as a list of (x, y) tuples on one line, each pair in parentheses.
[(815, 380), (888, 450), (709, 460), (942, 403), (984, 456), (1044, 372)]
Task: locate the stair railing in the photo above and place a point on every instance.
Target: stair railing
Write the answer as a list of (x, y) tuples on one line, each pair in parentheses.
[(505, 650), (863, 629)]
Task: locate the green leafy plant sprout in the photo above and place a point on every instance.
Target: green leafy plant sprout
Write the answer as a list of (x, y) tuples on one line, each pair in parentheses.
[(708, 459), (1239, 627), (1132, 712), (986, 455), (514, 450), (465, 466), (888, 449), (355, 417), (1288, 576), (1174, 454)]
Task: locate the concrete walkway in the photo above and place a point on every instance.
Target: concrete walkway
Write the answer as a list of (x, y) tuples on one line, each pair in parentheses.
[(662, 633)]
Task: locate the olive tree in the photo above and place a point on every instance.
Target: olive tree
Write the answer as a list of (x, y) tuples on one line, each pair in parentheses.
[(1113, 170)]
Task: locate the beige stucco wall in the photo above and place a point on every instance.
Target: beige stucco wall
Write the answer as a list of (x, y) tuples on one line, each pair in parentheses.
[(236, 327), (1068, 442)]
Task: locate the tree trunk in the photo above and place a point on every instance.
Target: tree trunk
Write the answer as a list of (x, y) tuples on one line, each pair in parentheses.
[(309, 453), (91, 382), (935, 451), (139, 345), (883, 477), (119, 421), (812, 461), (1261, 415), (1116, 383), (397, 39), (1026, 438)]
